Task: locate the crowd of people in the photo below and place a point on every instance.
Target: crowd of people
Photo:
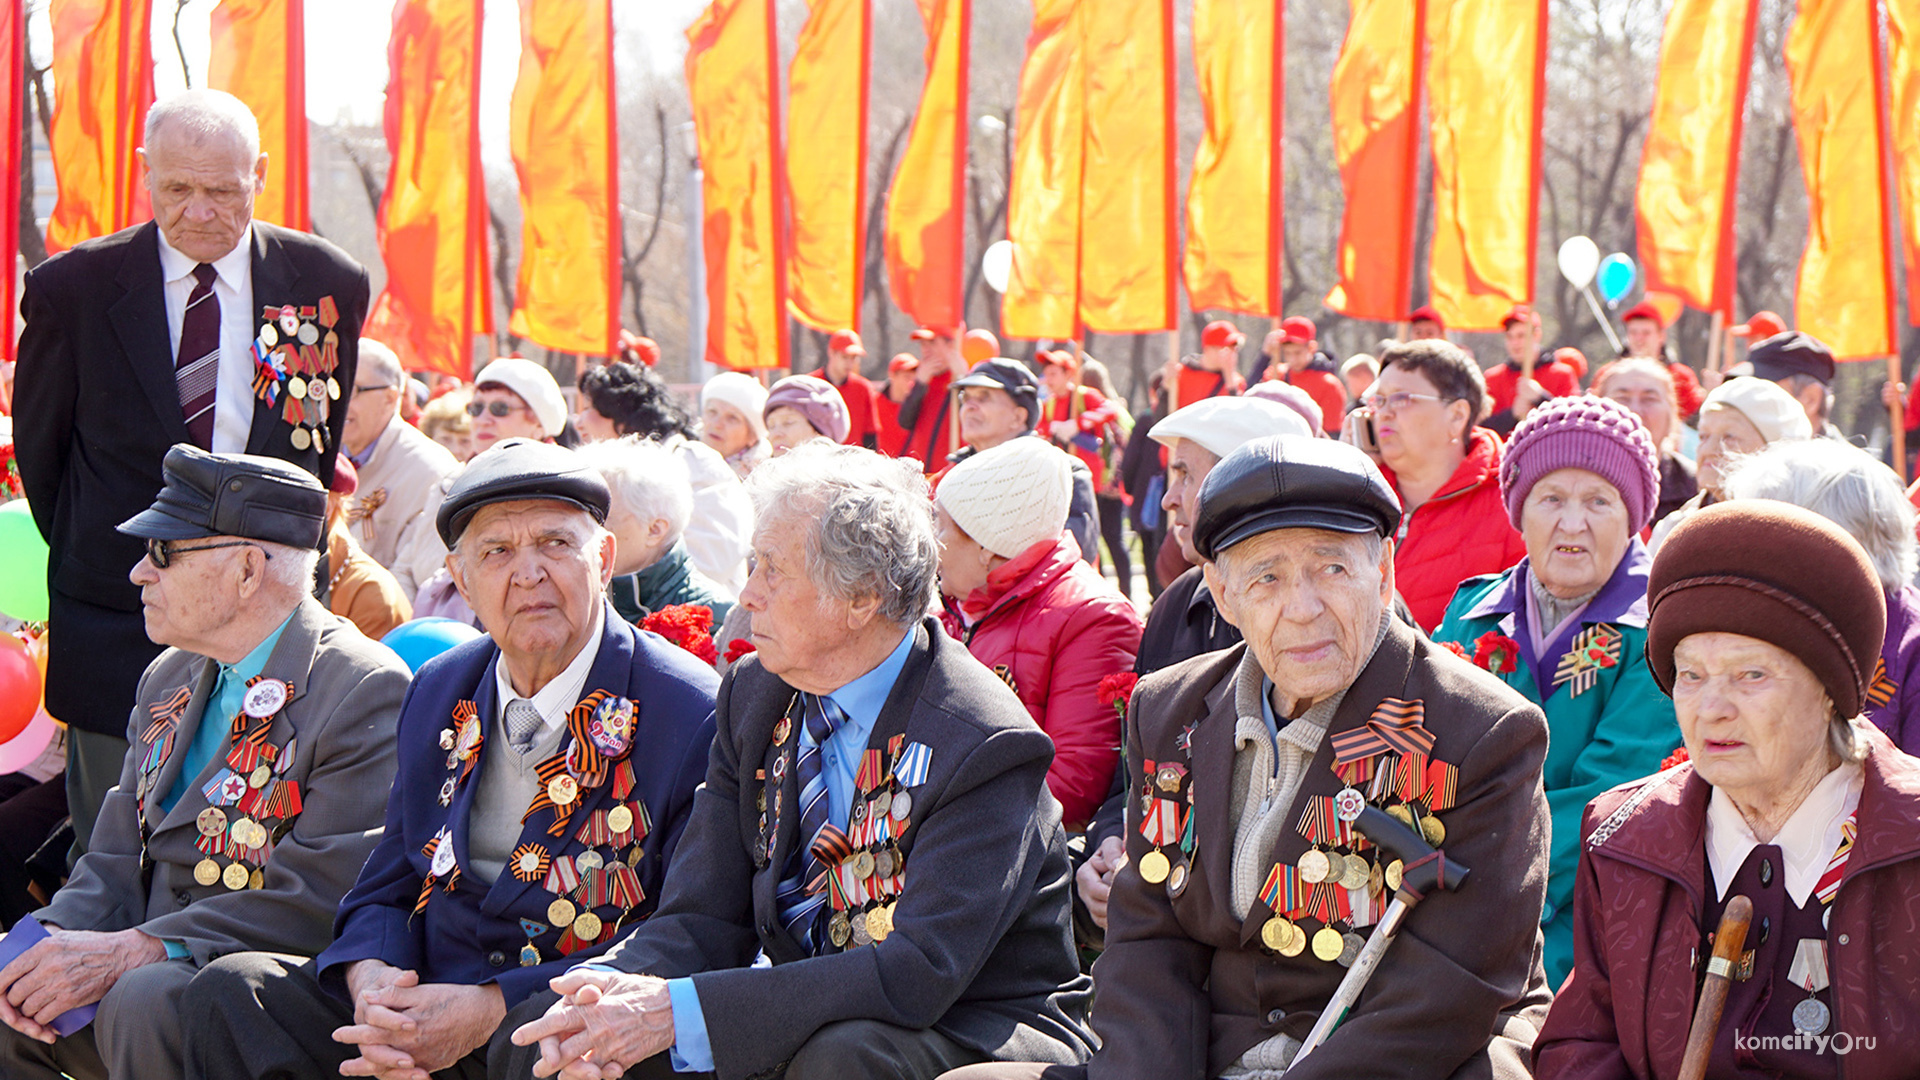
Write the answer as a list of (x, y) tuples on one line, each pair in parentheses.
[(816, 726)]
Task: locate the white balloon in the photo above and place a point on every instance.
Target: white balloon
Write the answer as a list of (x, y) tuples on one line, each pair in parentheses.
[(996, 265), (1579, 261)]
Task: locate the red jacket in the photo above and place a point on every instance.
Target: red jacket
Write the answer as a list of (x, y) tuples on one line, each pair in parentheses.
[(1461, 532), (1637, 938), (1554, 377), (862, 414), (935, 434), (1326, 391), (1053, 627), (1091, 412)]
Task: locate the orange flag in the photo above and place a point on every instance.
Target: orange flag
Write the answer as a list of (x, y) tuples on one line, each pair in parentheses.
[(926, 232), (13, 45), (1043, 203), (827, 164), (1376, 141), (1690, 166), (1234, 219), (433, 219), (260, 56), (736, 115), (566, 154), (1486, 88), (103, 83), (1903, 69), (1845, 293)]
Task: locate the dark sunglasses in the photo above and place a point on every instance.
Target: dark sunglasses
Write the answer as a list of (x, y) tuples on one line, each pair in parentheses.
[(497, 408), (160, 554)]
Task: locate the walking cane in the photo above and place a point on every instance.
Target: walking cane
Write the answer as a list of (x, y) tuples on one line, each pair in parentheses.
[(1729, 943), (1424, 869)]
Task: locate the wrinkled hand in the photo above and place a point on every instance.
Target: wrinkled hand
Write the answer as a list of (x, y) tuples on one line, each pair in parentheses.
[(366, 976), (1095, 877), (1893, 394), (69, 969), (603, 1023), (406, 1031)]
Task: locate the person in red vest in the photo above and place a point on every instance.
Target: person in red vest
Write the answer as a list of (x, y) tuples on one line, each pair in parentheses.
[(1647, 340), (1214, 373), (1512, 393), (1425, 322), (1073, 416), (927, 412), (901, 381), (844, 353), (1305, 366)]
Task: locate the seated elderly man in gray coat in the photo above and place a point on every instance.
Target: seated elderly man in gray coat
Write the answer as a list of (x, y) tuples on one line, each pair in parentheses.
[(261, 752), (874, 880)]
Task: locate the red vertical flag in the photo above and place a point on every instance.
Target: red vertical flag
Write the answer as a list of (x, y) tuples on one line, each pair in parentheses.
[(13, 45), (1376, 140), (731, 78), (433, 217), (566, 154), (1043, 196), (926, 220), (260, 56), (827, 164), (1127, 215), (103, 84), (1903, 73), (1234, 219)]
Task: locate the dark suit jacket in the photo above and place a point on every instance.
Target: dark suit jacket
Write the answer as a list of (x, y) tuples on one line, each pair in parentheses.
[(1186, 988), (96, 407), (982, 946), (472, 935)]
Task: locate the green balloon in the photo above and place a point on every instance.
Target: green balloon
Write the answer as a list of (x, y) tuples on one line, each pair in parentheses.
[(23, 564)]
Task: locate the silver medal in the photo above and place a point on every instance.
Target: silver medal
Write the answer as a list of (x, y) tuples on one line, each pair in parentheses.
[(1811, 1017)]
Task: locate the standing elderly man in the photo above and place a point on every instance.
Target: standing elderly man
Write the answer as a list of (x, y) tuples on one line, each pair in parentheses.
[(859, 747), (546, 774), (1000, 401), (261, 748), (146, 338), (397, 466)]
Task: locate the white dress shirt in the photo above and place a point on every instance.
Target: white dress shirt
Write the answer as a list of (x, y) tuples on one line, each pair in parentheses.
[(556, 699), (233, 287), (1807, 841)]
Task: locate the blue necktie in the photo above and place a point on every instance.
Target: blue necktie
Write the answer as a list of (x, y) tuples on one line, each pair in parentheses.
[(799, 910)]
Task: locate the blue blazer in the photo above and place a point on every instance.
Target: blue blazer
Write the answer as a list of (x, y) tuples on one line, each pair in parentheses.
[(473, 935)]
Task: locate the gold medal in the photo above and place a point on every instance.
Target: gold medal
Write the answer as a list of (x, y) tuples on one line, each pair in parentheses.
[(206, 872), (1154, 867), (235, 877), (300, 439), (839, 930), (587, 926), (862, 864), (563, 790), (1327, 944), (297, 387), (242, 831), (256, 880), (1296, 942), (782, 728), (1375, 879), (880, 923), (620, 819), (211, 822), (589, 860), (1435, 832), (1357, 873), (560, 912), (1402, 813), (261, 774), (1314, 866), (1276, 933), (1391, 876)]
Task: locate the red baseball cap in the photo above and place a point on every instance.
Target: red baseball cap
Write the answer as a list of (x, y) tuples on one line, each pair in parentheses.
[(641, 350), (1427, 314), (1644, 310), (1221, 334), (846, 341), (1066, 358), (1573, 358), (1761, 325), (1519, 313), (1299, 329), (903, 362)]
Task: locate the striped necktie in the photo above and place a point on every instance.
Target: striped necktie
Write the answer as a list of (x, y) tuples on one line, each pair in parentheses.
[(800, 910), (197, 368)]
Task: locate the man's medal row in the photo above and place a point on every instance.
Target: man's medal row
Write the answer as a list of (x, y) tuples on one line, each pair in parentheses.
[(295, 355)]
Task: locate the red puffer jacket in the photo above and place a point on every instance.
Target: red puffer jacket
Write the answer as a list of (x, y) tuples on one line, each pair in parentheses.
[(1461, 532), (1053, 627)]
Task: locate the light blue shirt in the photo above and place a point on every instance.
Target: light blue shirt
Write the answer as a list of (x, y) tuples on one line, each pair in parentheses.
[(862, 699)]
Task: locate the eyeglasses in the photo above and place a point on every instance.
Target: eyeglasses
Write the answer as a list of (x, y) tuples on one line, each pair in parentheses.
[(372, 389), (160, 554), (1396, 402), (497, 408)]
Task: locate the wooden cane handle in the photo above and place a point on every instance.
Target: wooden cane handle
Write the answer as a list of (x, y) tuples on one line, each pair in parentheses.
[(1729, 945)]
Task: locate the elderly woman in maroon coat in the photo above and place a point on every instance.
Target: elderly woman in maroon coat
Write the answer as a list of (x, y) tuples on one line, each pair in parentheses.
[(1766, 620)]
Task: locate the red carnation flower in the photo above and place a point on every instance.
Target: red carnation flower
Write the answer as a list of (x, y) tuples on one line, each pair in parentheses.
[(686, 625), (1116, 691), (1496, 652), (738, 648), (1679, 755)]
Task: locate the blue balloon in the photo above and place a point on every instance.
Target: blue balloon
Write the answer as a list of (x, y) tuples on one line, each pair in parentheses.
[(421, 640), (1617, 275)]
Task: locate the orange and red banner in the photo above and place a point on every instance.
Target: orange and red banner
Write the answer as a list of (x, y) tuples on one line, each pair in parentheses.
[(566, 153), (731, 69), (1375, 100), (1486, 88), (260, 56), (13, 52), (1690, 166), (827, 164), (1903, 71), (103, 84), (433, 219), (1043, 203), (1845, 292), (926, 231), (1234, 202)]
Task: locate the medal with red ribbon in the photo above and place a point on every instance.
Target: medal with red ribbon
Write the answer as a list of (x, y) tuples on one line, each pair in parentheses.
[(1284, 893), (1396, 725), (1321, 824)]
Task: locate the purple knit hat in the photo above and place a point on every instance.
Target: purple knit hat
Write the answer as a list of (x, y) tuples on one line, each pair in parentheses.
[(814, 398), (1601, 436)]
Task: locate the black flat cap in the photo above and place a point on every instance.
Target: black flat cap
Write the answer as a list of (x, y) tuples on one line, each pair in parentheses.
[(1791, 353), (256, 498), (1009, 375), (1292, 482), (518, 469)]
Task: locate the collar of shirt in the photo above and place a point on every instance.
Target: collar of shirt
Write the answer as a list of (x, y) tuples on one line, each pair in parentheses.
[(233, 677), (235, 268), (862, 699), (556, 699), (360, 460), (1806, 842)]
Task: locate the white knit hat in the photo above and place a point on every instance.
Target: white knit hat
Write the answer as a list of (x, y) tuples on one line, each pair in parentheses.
[(535, 385), (1222, 424), (741, 391), (1771, 410), (1011, 497)]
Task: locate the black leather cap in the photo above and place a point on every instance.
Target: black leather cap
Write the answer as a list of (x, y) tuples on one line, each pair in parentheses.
[(1009, 375), (256, 498), (519, 469), (1791, 353), (1292, 482)]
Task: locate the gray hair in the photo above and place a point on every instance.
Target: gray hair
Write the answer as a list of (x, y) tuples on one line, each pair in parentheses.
[(871, 523), (291, 568), (200, 115), (646, 478), (1843, 485), (1797, 383), (377, 359)]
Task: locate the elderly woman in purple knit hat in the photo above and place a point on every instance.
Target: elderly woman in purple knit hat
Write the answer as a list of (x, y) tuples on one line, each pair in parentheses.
[(1567, 626), (801, 408)]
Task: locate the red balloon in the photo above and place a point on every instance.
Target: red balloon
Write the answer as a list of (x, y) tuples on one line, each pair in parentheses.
[(19, 686)]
